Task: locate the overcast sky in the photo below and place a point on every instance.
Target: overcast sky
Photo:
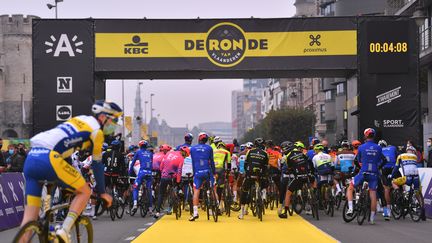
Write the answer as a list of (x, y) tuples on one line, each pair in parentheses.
[(172, 97)]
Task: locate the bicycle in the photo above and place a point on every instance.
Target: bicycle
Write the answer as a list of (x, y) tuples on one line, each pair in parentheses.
[(309, 193), (273, 194), (143, 200), (406, 202), (363, 201), (188, 193), (327, 197), (210, 200), (42, 230), (256, 201), (117, 208), (174, 198), (227, 195)]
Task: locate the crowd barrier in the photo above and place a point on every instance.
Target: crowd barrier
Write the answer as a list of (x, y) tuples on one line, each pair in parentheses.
[(426, 182), (11, 200)]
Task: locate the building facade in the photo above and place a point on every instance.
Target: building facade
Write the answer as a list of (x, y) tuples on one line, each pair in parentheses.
[(16, 76)]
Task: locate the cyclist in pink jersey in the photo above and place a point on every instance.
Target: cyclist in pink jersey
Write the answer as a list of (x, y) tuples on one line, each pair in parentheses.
[(158, 157), (171, 163)]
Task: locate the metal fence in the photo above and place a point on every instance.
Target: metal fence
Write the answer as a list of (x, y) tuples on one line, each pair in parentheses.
[(425, 37), (395, 5)]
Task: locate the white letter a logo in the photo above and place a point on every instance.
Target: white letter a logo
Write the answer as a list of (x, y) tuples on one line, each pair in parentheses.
[(64, 45)]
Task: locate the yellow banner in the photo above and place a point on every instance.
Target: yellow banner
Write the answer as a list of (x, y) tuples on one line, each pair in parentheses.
[(128, 123), (143, 130), (257, 44)]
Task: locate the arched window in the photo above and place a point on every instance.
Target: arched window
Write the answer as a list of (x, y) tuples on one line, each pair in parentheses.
[(10, 133)]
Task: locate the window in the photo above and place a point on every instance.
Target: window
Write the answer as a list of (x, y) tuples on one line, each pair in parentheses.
[(329, 95), (340, 88), (322, 113)]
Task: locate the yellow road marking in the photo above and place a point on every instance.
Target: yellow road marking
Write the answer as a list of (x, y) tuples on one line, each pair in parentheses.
[(250, 230)]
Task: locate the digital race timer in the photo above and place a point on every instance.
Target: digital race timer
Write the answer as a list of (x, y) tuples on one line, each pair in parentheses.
[(385, 47)]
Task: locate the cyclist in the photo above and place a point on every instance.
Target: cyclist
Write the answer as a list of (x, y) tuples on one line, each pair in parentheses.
[(158, 157), (222, 161), (324, 167), (188, 141), (311, 152), (186, 168), (241, 160), (371, 157), (114, 163), (170, 164), (355, 144), (274, 160), (296, 166), (345, 163), (256, 164), (145, 159), (390, 152), (203, 168), (46, 161)]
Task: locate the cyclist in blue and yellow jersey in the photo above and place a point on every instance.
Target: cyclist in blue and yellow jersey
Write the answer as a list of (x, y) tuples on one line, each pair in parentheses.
[(203, 168), (145, 158), (371, 158), (324, 168), (47, 161), (188, 141), (390, 152), (222, 160)]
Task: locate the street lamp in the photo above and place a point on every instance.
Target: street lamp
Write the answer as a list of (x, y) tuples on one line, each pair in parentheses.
[(145, 111), (50, 6), (151, 105)]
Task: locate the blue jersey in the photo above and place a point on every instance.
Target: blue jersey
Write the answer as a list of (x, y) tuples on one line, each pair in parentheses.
[(390, 153), (145, 158), (310, 154), (370, 156), (180, 146), (202, 158)]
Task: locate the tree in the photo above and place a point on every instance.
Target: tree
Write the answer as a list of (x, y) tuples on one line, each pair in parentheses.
[(288, 124)]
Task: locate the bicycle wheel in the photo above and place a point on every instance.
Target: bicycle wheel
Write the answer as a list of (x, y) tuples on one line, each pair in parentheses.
[(362, 209), (113, 209), (314, 204), (345, 217), (121, 207), (397, 204), (415, 208), (228, 200), (330, 202), (100, 207), (338, 201), (297, 203), (30, 232), (82, 232), (215, 206), (144, 203), (260, 208)]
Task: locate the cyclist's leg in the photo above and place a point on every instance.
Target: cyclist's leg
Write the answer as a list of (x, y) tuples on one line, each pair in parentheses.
[(136, 186), (149, 182), (197, 183), (373, 185), (356, 180), (71, 178), (162, 191), (244, 198)]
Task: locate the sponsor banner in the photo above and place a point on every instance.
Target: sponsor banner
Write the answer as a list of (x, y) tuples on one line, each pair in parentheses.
[(221, 44), (63, 81), (388, 80), (426, 182), (11, 200)]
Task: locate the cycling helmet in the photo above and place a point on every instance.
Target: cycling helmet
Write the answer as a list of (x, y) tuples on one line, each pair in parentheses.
[(188, 137), (286, 146), (104, 146), (315, 141), (110, 109), (249, 145), (411, 148), (185, 151), (299, 145), (319, 147), (222, 144), (217, 140), (143, 143), (115, 143), (242, 147), (203, 137), (131, 147), (164, 148), (258, 142), (369, 132), (277, 148), (382, 143), (356, 143), (345, 144)]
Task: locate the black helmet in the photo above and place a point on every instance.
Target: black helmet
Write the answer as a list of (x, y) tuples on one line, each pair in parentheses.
[(269, 143), (259, 142), (287, 146)]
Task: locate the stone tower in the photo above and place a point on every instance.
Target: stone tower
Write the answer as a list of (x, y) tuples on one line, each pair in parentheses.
[(16, 76), (137, 117)]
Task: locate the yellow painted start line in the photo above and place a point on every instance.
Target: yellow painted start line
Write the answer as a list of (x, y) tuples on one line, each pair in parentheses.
[(231, 229)]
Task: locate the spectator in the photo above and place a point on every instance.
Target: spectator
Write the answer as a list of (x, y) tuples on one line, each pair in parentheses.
[(419, 153), (2, 157), (429, 152), (16, 159)]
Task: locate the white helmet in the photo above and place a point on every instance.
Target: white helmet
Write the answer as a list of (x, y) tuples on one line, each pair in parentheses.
[(110, 109)]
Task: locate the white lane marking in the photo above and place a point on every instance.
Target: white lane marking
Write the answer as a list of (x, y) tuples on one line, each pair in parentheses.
[(149, 224), (130, 238), (141, 230)]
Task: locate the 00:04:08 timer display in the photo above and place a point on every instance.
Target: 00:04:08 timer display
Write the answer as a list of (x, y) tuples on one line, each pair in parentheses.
[(388, 47)]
